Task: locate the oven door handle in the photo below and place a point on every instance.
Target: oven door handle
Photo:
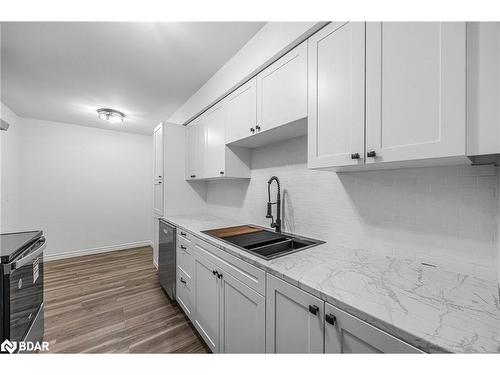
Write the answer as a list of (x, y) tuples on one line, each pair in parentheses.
[(29, 257)]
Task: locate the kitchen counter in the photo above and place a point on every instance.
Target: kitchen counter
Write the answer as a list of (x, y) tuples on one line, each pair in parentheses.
[(434, 309)]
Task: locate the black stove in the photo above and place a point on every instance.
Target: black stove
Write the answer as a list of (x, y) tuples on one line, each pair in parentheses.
[(21, 289), (12, 244)]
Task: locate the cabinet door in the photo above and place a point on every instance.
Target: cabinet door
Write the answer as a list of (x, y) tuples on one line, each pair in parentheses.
[(158, 151), (415, 90), (345, 333), (243, 318), (282, 90), (294, 319), (158, 197), (214, 159), (241, 112), (336, 111), (192, 151), (206, 302), (201, 148), (184, 292)]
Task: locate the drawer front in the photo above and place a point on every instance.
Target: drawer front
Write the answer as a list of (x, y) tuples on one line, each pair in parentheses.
[(185, 259), (185, 296), (183, 235), (250, 275)]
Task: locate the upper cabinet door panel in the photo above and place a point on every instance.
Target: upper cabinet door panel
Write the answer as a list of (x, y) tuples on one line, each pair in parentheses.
[(336, 95), (191, 151), (158, 151), (241, 111), (282, 90), (415, 90), (215, 122)]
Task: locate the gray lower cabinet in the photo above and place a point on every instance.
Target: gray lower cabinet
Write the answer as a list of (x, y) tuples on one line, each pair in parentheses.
[(232, 315), (345, 333), (184, 292), (294, 319), (207, 302), (228, 314), (242, 318)]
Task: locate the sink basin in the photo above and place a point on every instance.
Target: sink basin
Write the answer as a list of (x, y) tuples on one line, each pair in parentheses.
[(262, 242)]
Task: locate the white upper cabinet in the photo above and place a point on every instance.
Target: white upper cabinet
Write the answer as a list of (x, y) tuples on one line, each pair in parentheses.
[(242, 112), (415, 90), (282, 90), (207, 155), (158, 151), (214, 159), (336, 115), (195, 149), (483, 88)]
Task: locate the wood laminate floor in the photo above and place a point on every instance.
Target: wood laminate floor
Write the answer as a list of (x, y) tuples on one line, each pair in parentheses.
[(113, 303)]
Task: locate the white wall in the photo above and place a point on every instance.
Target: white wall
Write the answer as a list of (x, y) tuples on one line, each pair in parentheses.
[(86, 188), (272, 41), (445, 216)]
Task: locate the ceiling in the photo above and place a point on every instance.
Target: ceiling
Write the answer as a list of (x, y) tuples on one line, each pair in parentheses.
[(64, 71)]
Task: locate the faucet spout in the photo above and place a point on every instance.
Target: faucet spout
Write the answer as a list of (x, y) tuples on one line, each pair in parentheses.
[(274, 224)]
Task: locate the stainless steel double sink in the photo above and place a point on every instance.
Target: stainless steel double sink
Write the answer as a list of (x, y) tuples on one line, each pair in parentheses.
[(262, 242)]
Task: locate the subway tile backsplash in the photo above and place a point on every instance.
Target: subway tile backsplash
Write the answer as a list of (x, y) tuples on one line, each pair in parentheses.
[(444, 215)]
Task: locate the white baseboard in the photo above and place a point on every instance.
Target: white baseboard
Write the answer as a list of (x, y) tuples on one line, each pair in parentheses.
[(96, 250), (155, 263)]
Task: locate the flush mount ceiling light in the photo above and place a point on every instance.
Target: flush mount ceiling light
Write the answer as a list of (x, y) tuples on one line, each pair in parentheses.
[(111, 115)]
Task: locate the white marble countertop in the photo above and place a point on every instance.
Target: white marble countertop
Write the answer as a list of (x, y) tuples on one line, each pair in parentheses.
[(433, 309)]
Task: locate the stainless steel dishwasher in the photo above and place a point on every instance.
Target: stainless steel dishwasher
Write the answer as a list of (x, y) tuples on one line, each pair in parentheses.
[(166, 258)]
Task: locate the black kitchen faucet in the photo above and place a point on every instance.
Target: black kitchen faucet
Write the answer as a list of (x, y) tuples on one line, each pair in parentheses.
[(274, 224)]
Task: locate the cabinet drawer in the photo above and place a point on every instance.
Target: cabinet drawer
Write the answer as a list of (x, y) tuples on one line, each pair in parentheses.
[(185, 259), (184, 289), (250, 275), (183, 235)]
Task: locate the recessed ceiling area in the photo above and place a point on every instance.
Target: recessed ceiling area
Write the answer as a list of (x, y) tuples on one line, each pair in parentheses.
[(65, 71)]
